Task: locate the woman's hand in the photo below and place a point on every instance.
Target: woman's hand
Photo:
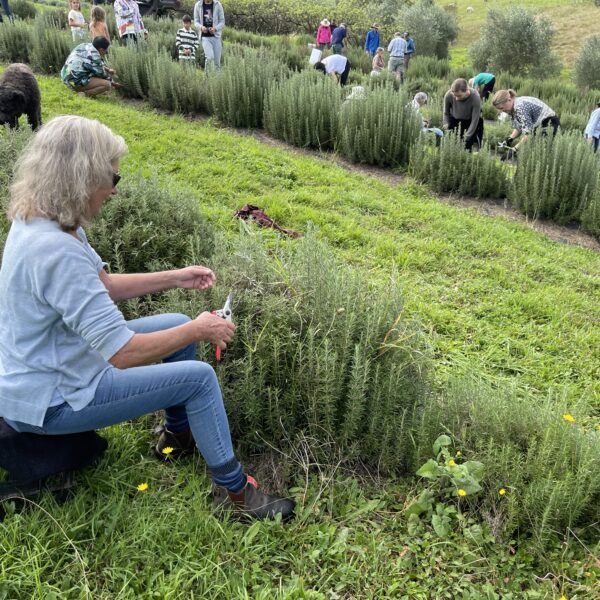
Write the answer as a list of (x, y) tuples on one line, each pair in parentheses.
[(214, 329), (197, 278)]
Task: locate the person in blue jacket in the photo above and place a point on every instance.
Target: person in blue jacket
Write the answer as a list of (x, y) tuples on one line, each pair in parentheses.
[(372, 40), (410, 48), (337, 38)]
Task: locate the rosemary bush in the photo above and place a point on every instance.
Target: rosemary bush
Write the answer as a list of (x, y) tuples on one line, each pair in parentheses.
[(556, 177), (53, 19), (133, 64), (146, 227), (49, 48), (175, 86), (22, 9), (379, 130), (237, 91), (450, 168), (590, 219), (303, 110), (15, 42), (544, 457), (316, 351), (428, 67)]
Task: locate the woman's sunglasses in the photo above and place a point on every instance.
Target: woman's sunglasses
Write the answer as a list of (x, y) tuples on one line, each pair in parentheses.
[(116, 179)]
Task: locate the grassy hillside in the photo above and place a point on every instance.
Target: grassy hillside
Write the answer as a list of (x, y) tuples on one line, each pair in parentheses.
[(572, 19)]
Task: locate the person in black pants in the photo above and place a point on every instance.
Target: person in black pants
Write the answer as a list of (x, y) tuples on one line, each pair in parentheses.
[(335, 65), (462, 112)]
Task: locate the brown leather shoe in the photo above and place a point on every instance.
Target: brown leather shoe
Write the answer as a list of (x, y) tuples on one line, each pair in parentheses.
[(171, 446), (252, 504)]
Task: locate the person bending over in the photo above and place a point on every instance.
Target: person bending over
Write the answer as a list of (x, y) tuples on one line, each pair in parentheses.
[(483, 84), (70, 361), (529, 116), (335, 66), (462, 112)]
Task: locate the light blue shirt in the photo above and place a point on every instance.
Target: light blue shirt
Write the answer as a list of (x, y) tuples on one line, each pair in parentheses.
[(397, 47), (593, 127), (58, 325)]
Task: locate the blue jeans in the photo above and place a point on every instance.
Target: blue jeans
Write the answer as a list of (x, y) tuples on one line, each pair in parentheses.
[(7, 10), (187, 389)]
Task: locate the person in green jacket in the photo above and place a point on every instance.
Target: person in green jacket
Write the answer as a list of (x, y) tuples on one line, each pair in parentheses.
[(483, 84)]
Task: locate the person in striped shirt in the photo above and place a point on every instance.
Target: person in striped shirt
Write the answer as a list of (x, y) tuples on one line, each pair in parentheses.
[(187, 40)]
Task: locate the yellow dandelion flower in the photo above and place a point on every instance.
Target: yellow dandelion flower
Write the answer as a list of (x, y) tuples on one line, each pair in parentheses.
[(451, 463), (142, 487), (167, 450), (563, 598), (588, 574), (461, 492), (501, 491), (597, 427), (569, 418), (458, 453)]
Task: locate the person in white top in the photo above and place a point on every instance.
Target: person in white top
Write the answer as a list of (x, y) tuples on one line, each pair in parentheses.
[(76, 21), (397, 49), (335, 66)]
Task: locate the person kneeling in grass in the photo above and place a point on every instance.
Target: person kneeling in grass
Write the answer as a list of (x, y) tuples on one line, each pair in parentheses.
[(529, 116), (70, 361), (85, 70), (334, 66)]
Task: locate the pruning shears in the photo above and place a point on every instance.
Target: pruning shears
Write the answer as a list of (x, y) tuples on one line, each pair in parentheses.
[(225, 313)]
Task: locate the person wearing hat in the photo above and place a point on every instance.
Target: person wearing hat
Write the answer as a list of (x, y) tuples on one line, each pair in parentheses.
[(397, 50), (337, 38), (410, 48), (324, 35), (372, 40)]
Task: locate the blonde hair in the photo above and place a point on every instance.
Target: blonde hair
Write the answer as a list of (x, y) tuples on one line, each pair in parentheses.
[(98, 14), (68, 159), (459, 85), (71, 3), (502, 96)]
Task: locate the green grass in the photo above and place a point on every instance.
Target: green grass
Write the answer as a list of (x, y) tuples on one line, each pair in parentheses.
[(495, 296)]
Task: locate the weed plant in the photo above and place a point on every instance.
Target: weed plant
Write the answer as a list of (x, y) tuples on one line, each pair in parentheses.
[(378, 130), (237, 92), (450, 168), (303, 110), (543, 454), (556, 177), (15, 42)]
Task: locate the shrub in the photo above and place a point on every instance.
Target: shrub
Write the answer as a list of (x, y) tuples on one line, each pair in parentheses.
[(133, 64), (237, 91), (23, 9), (428, 67), (556, 177), (587, 64), (175, 86), (515, 41), (546, 464), (303, 110), (431, 26), (15, 43), (379, 130), (49, 48), (450, 168), (53, 19), (316, 351), (590, 219), (145, 227)]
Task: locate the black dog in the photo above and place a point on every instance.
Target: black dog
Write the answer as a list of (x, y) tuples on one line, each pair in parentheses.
[(19, 94)]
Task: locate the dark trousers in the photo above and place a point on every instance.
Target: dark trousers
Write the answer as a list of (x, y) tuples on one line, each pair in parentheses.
[(344, 75), (553, 122), (463, 125), (488, 88), (595, 144)]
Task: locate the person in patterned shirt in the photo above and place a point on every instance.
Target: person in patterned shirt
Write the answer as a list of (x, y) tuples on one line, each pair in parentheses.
[(85, 70), (529, 115), (187, 41)]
